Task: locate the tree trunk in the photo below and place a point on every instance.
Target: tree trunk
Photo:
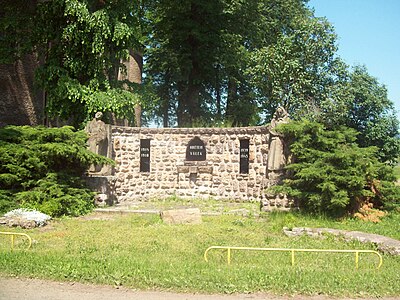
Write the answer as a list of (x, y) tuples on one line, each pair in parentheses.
[(193, 95), (181, 110), (132, 73), (231, 99), (189, 109), (218, 93)]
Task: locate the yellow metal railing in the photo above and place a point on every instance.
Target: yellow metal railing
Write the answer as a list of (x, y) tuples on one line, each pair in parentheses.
[(13, 234), (292, 251)]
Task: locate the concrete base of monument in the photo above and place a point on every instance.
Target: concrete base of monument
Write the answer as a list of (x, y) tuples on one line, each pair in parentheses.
[(181, 216), (104, 186)]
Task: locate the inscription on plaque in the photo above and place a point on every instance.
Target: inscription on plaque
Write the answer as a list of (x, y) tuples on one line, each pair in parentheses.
[(244, 156), (144, 155), (196, 150)]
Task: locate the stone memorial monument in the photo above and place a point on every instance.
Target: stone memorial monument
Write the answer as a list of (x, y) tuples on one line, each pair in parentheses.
[(238, 163)]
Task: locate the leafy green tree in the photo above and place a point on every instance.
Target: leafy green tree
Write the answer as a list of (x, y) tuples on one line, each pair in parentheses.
[(41, 168), (301, 71), (223, 61), (256, 25), (183, 45), (331, 173), (372, 114), (81, 44), (198, 54), (16, 22)]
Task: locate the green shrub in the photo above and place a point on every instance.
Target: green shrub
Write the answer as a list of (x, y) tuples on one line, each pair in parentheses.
[(331, 174), (397, 171), (6, 201), (41, 168)]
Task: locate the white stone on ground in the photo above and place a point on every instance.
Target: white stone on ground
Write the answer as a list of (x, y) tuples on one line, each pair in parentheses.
[(29, 214)]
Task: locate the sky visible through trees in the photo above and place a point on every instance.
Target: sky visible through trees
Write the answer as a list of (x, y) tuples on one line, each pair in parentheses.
[(368, 34)]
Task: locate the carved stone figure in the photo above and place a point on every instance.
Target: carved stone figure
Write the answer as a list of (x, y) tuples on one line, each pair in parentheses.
[(98, 141), (276, 154)]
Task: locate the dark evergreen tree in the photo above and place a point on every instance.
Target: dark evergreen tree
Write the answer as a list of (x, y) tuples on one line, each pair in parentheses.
[(41, 168), (331, 173)]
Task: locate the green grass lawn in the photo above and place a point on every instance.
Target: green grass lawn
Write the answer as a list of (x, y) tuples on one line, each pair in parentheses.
[(141, 252)]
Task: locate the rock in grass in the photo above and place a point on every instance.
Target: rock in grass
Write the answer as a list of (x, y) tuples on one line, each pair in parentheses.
[(25, 218), (181, 216)]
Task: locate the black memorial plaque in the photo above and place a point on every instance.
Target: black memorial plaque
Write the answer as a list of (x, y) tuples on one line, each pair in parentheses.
[(244, 156), (145, 155), (196, 150)]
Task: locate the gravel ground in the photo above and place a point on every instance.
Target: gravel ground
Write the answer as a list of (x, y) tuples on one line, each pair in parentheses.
[(34, 289)]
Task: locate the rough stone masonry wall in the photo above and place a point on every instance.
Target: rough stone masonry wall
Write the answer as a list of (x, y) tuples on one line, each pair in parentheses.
[(170, 174)]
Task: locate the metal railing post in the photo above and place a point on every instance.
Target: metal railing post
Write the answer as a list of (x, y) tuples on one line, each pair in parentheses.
[(356, 259), (12, 237), (292, 257)]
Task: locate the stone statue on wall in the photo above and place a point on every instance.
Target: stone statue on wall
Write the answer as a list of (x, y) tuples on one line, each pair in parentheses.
[(276, 160), (98, 138), (276, 154)]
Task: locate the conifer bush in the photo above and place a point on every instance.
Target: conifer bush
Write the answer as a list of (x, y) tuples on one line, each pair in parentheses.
[(330, 173), (42, 168)]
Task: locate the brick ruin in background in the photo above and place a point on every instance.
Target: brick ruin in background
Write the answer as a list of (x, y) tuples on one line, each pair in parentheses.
[(221, 163), (20, 102)]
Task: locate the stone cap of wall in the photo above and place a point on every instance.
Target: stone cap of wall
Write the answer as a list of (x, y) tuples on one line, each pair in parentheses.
[(203, 130)]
